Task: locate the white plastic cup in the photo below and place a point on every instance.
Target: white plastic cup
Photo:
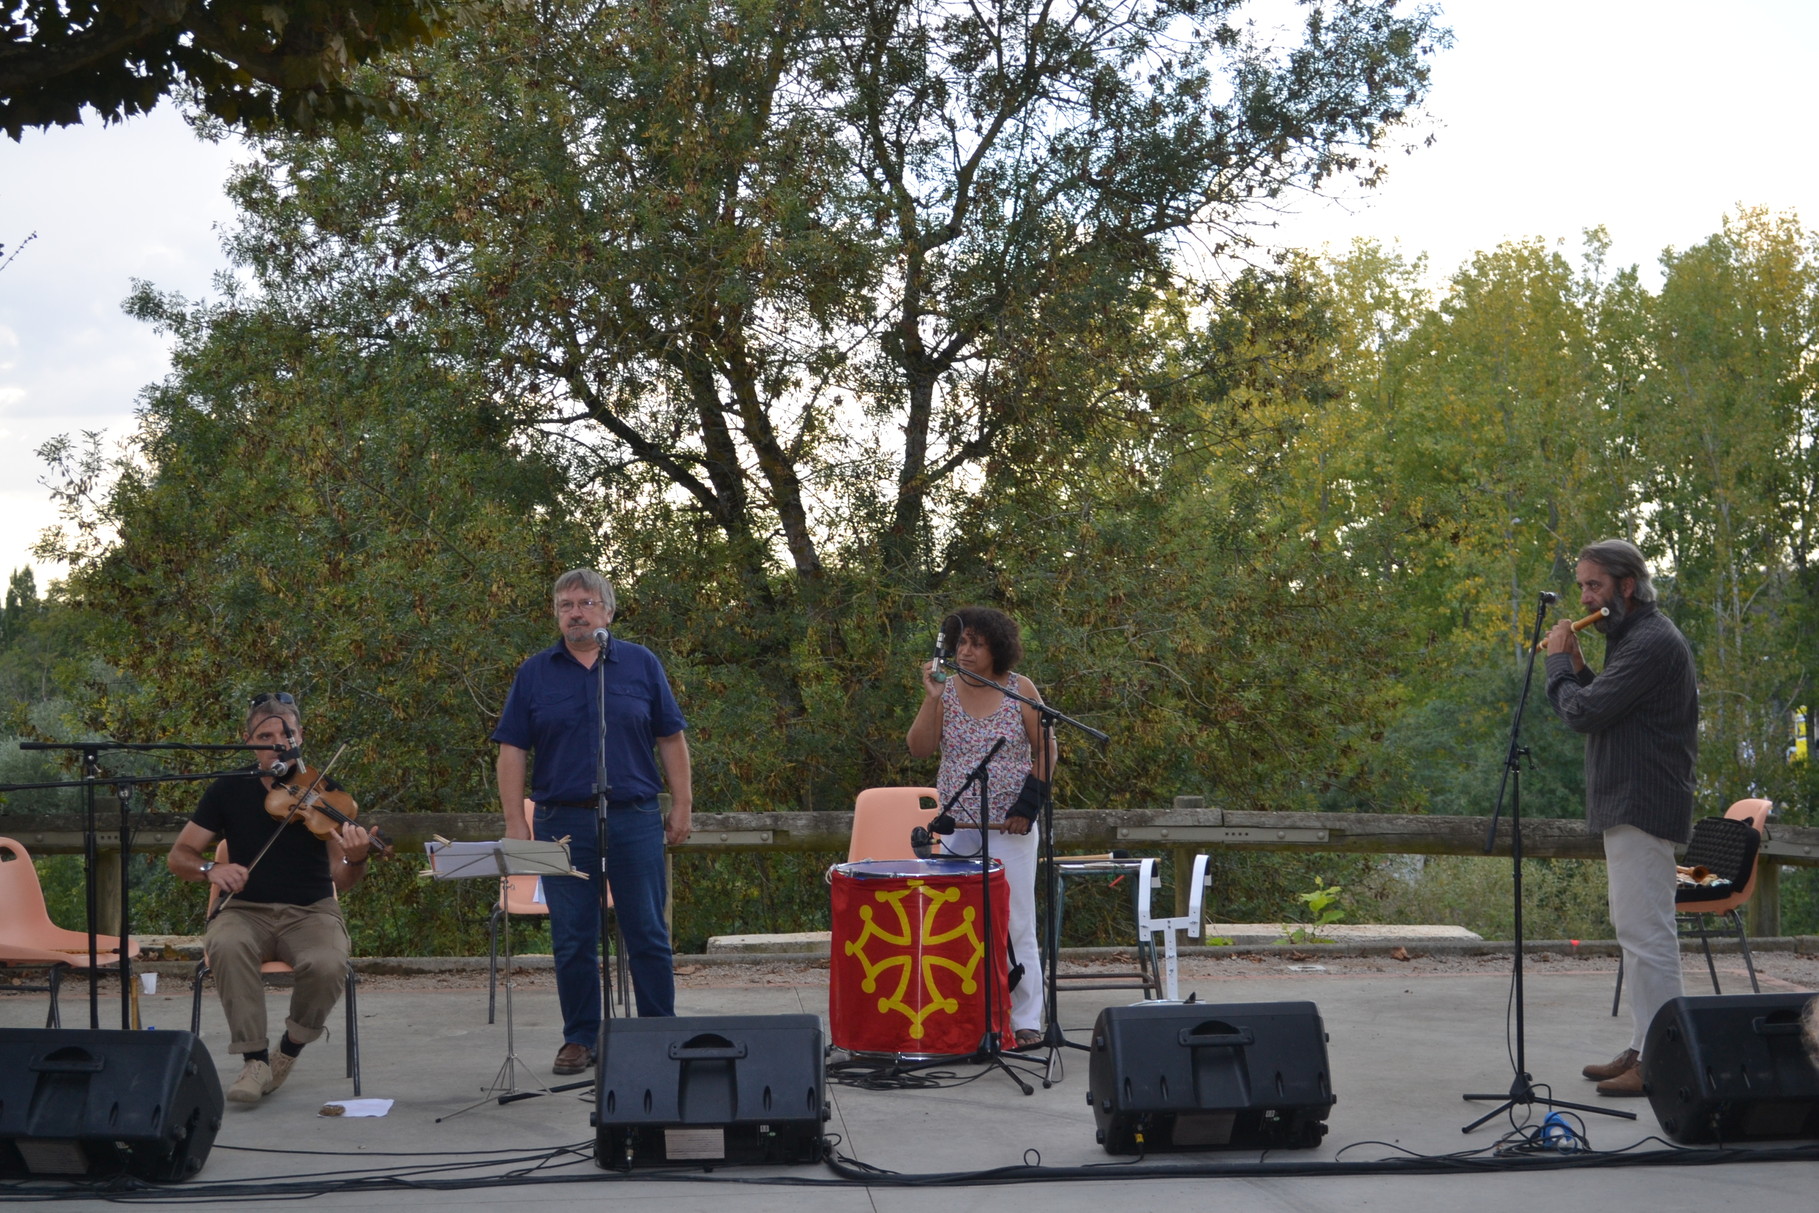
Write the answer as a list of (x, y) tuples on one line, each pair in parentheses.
[(148, 982)]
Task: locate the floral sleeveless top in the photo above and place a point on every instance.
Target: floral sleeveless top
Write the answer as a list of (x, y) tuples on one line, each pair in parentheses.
[(964, 741)]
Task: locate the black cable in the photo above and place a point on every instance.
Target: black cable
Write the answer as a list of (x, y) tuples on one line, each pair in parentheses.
[(849, 1172)]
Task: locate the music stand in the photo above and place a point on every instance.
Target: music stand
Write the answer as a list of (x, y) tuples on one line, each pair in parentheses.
[(497, 860)]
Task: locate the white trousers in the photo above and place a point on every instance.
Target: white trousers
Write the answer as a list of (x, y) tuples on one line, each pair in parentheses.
[(1640, 868), (1018, 854)]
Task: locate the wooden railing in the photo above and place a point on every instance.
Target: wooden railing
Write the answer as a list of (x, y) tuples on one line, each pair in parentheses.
[(1189, 825)]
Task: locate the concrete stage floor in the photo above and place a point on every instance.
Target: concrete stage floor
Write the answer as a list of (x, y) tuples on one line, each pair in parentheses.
[(1405, 1041)]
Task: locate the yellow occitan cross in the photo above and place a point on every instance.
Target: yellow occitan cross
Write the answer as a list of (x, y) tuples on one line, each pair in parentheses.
[(934, 968)]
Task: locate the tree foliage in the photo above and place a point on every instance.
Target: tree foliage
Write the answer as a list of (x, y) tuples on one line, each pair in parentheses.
[(254, 63), (1535, 406), (798, 294), (308, 512)]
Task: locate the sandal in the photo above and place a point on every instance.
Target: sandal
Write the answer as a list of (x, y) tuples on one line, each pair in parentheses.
[(1027, 1039)]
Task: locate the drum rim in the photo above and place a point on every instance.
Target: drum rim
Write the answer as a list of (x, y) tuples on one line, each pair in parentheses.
[(921, 868)]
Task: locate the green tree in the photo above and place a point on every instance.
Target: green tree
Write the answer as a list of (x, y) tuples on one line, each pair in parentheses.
[(803, 286), (341, 520), (1471, 456), (252, 63), (1726, 431)]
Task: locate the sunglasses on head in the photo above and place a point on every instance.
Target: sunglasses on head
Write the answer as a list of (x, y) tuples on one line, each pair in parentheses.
[(280, 696)]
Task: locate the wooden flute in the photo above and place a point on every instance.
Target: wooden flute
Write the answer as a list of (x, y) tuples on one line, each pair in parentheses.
[(1579, 625)]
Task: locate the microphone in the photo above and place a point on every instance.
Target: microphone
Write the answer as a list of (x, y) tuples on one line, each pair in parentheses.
[(283, 760), (941, 650), (1548, 596), (602, 637), (922, 838)]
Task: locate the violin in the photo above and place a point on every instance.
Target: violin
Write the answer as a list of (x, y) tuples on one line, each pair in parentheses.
[(321, 810)]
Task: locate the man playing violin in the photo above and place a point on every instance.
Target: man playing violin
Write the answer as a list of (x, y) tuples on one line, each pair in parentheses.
[(279, 904)]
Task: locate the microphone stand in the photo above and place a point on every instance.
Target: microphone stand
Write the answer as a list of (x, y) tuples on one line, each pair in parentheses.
[(991, 1044), (1523, 1088), (90, 752), (1052, 1036), (603, 791)]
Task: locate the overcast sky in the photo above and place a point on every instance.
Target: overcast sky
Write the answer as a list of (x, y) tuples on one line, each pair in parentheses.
[(1652, 118)]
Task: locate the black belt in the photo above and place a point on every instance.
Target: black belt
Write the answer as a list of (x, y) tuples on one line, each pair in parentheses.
[(589, 804)]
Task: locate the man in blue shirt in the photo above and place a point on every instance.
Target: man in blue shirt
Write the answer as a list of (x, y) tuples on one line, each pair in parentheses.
[(552, 711)]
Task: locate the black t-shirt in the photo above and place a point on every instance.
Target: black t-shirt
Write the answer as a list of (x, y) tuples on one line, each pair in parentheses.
[(294, 872)]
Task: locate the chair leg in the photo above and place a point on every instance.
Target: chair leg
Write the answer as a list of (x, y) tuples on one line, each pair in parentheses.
[(1705, 941), (54, 1017), (1743, 941), (351, 998), (1617, 994)]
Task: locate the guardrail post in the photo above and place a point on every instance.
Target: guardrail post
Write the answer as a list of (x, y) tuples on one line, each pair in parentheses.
[(1765, 907)]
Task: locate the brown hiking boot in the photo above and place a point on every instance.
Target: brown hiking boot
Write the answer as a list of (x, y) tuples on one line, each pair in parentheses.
[(1623, 1063)]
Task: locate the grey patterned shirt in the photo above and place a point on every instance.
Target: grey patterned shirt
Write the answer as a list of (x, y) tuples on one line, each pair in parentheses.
[(1640, 717)]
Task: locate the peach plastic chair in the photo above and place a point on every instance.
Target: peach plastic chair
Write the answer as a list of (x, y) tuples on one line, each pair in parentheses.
[(1691, 917), (24, 920), (28, 937), (883, 819), (522, 895), (348, 999)]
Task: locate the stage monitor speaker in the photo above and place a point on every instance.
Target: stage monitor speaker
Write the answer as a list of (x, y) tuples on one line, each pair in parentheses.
[(1208, 1076), (710, 1090), (1731, 1068), (106, 1103)]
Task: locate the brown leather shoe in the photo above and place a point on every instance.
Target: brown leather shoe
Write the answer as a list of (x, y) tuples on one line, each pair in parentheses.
[(572, 1059), (1627, 1084), (1623, 1063)]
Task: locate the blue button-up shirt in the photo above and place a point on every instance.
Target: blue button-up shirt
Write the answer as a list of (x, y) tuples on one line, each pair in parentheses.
[(551, 711)]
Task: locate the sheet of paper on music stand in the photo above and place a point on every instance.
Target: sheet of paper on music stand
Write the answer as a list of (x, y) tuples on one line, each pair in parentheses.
[(503, 857)]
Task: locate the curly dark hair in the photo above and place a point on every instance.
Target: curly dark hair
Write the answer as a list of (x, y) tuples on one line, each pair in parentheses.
[(998, 632)]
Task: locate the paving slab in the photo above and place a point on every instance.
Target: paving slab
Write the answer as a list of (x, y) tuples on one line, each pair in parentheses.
[(1405, 1042)]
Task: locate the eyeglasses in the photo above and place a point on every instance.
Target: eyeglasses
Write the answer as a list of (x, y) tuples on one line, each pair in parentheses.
[(585, 604), (280, 696)]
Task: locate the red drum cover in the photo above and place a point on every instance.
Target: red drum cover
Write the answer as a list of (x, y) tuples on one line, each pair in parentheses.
[(908, 968)]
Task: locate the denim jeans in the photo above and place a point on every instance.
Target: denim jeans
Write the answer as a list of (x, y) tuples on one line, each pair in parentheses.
[(635, 873)]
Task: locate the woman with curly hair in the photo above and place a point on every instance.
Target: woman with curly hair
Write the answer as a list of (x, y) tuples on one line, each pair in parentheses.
[(961, 720)]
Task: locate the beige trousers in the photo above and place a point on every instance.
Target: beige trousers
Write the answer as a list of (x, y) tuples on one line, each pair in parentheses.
[(311, 939), (1641, 871)]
